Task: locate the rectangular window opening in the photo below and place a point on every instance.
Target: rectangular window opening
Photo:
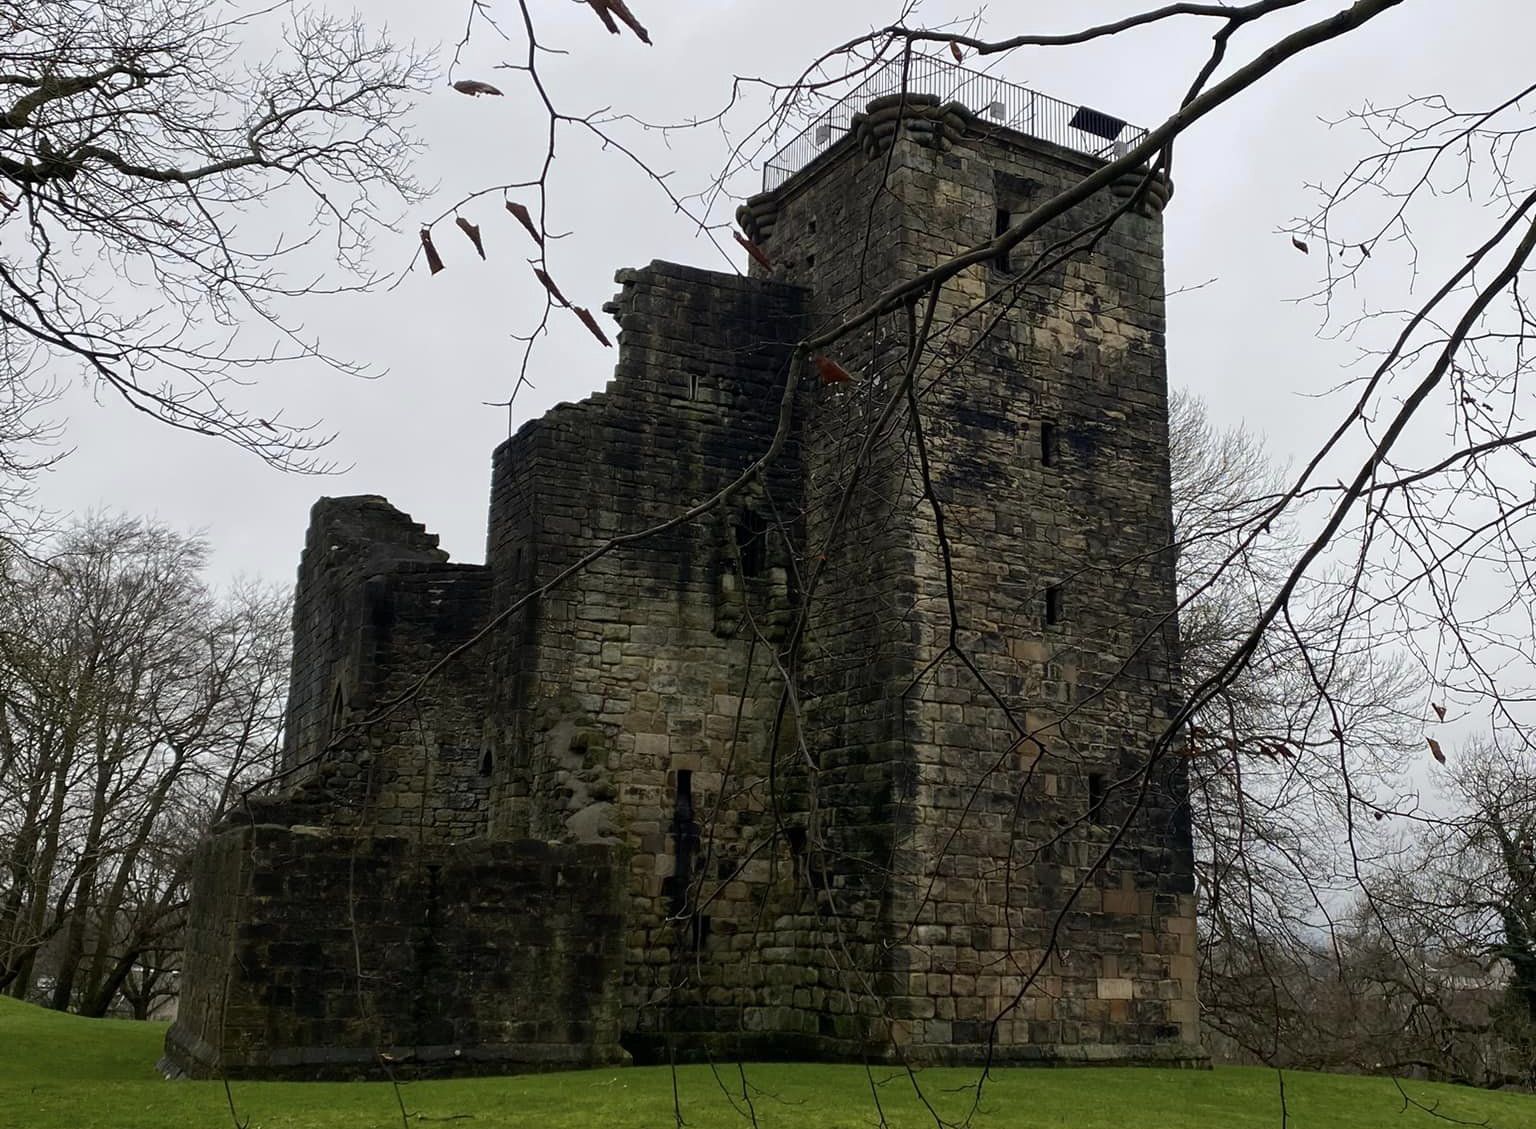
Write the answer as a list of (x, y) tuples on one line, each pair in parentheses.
[(1053, 605), (810, 260), (695, 383), (1048, 443), (1096, 793), (811, 227), (1002, 221), (752, 543)]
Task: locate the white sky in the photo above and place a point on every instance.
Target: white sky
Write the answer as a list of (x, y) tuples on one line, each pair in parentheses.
[(420, 434)]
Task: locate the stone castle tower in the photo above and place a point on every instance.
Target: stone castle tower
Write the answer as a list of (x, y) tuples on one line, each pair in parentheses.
[(854, 764)]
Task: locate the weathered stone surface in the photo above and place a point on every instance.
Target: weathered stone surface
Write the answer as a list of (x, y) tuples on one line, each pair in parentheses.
[(876, 869), (310, 957)]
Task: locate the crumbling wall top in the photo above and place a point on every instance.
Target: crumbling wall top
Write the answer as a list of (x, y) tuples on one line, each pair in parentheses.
[(364, 529)]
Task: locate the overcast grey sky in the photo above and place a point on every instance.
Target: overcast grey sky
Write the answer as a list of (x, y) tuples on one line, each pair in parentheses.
[(421, 435)]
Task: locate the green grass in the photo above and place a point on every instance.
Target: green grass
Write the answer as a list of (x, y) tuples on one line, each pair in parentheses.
[(63, 1072)]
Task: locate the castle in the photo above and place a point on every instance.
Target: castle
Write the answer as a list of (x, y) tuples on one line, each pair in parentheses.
[(855, 764)]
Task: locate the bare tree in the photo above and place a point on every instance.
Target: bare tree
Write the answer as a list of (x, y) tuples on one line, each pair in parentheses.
[(1270, 795), (136, 704), (142, 134), (1465, 894)]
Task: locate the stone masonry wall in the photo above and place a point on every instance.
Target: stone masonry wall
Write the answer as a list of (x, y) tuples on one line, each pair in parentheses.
[(613, 819), (840, 233), (645, 700), (1045, 420), (1050, 456), (377, 607), (216, 875), (478, 957), (348, 540)]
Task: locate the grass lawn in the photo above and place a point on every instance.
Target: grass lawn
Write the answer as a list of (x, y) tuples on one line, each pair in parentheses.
[(63, 1072)]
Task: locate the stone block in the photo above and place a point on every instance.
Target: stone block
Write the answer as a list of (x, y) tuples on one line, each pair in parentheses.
[(1115, 988)]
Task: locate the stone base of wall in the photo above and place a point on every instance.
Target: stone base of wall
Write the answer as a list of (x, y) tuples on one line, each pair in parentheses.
[(359, 1064), (317, 955), (793, 1047), (1180, 1055)]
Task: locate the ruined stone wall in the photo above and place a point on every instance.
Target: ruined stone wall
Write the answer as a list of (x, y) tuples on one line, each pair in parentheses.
[(216, 874), (348, 540), (868, 866), (643, 706), (486, 956), (377, 607)]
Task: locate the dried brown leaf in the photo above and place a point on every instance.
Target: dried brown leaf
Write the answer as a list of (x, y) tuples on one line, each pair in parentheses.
[(549, 284), (474, 87), (621, 9), (1300, 245), (1434, 749), (1439, 710), (471, 230), (754, 250), (526, 219), (601, 8), (591, 323), (434, 260), (830, 371)]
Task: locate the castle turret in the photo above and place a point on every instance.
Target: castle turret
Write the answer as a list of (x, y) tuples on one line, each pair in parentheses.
[(992, 647)]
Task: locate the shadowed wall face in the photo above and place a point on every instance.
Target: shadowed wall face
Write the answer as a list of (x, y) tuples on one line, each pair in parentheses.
[(636, 704), (485, 957)]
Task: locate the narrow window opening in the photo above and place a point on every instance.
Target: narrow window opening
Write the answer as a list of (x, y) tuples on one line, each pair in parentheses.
[(700, 929), (338, 714), (695, 383), (1048, 443), (810, 260), (1053, 605), (812, 227), (799, 844), (487, 761), (752, 543), (1001, 222), (381, 609), (685, 843), (1096, 791)]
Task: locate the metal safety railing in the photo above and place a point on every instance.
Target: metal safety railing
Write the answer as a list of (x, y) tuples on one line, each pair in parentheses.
[(992, 99)]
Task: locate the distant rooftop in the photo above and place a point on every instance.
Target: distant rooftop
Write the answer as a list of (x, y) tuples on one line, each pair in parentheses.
[(1079, 128)]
